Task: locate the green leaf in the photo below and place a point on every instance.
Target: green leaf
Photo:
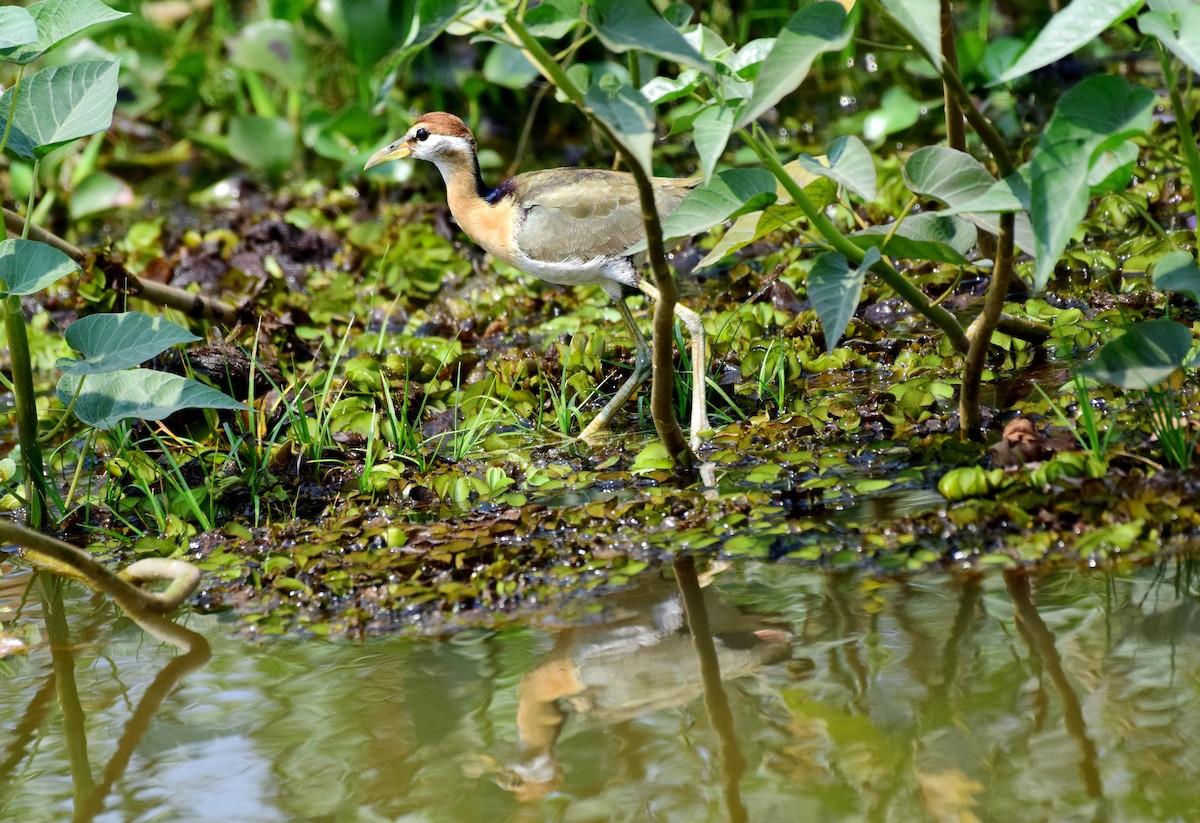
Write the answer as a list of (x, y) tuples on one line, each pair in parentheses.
[(1100, 112), (107, 399), (111, 342), (56, 20), (266, 143), (1144, 356), (710, 131), (850, 164), (17, 28), (627, 113), (99, 191), (821, 191), (1178, 272), (508, 67), (60, 104), (897, 111), (923, 20), (27, 266), (728, 194), (928, 236), (624, 25), (554, 18), (273, 48), (665, 89), (1183, 40), (957, 179), (1080, 22), (835, 289), (812, 31)]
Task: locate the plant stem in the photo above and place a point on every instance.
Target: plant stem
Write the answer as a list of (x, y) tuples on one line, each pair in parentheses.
[(937, 315), (662, 391), (26, 408), (1183, 122), (981, 331), (956, 133)]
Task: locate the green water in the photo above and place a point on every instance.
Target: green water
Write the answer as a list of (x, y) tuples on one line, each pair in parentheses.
[(1073, 696)]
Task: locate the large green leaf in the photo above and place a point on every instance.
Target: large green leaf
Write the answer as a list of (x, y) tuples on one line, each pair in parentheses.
[(60, 104), (111, 342), (630, 117), (812, 31), (267, 143), (27, 266), (1178, 272), (56, 20), (273, 48), (17, 28), (109, 398), (955, 178), (835, 289), (1144, 356), (849, 163), (1100, 113), (1073, 27), (923, 19), (928, 236), (624, 25), (897, 111), (1181, 35), (728, 194), (710, 131)]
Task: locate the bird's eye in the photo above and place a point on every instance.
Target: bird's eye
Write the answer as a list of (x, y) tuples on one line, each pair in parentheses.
[(421, 134)]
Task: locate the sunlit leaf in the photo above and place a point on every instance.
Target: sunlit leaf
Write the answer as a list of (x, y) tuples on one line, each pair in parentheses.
[(145, 394), (849, 163), (27, 267), (812, 31), (1183, 40), (60, 104), (711, 130), (623, 25), (922, 19), (111, 342), (1178, 272), (835, 289), (1079, 22), (56, 20), (728, 194), (16, 28), (897, 111), (1102, 111), (665, 89), (1144, 356)]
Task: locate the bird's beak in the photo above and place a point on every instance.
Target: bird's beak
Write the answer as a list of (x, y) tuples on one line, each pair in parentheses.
[(395, 151)]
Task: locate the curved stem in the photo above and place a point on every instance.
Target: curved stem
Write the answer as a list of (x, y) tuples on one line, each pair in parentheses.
[(66, 559)]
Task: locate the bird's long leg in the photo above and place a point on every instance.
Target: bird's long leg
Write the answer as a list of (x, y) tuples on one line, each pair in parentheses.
[(641, 370), (695, 327)]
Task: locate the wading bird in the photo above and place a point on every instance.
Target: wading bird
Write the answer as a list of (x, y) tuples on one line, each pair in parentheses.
[(567, 226)]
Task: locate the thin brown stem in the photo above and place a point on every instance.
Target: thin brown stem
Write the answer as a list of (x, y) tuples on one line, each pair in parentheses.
[(981, 331)]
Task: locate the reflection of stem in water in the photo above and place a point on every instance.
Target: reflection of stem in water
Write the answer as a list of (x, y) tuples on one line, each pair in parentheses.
[(1041, 646), (63, 655), (89, 796), (849, 628), (715, 699)]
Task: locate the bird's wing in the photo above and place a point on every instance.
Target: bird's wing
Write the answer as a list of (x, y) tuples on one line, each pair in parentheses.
[(586, 213)]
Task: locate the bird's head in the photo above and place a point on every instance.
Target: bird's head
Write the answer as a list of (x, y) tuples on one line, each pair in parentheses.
[(437, 137)]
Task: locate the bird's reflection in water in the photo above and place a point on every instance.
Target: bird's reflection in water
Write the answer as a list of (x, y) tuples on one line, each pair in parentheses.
[(641, 659)]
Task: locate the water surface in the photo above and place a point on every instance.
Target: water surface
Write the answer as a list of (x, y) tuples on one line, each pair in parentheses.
[(1071, 696)]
